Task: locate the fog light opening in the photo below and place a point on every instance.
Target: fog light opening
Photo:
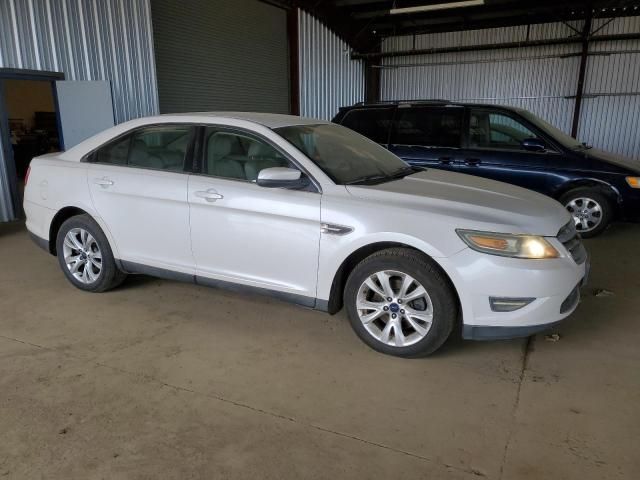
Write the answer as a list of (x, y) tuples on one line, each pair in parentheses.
[(505, 304)]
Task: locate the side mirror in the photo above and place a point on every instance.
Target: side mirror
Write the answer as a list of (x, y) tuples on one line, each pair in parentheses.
[(281, 177), (533, 145)]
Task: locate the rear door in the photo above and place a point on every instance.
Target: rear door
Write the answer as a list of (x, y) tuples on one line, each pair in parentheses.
[(138, 184), (428, 136), (494, 150)]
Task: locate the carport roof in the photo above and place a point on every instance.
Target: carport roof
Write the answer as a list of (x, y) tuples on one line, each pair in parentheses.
[(363, 23)]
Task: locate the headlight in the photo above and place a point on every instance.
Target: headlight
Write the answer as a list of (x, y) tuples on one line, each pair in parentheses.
[(634, 182), (506, 245)]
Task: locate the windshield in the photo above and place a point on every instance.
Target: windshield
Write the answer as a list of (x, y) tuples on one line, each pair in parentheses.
[(344, 155), (557, 134)]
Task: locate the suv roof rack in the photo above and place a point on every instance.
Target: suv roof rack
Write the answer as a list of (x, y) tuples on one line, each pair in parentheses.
[(438, 101)]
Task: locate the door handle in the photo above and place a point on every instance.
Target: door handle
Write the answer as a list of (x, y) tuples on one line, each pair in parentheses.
[(208, 195), (445, 160), (472, 162), (103, 182)]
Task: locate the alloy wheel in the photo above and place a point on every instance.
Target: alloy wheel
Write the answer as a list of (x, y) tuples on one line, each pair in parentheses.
[(394, 308), (586, 212), (82, 255)]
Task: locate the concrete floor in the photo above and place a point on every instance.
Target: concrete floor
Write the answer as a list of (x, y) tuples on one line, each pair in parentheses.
[(167, 380)]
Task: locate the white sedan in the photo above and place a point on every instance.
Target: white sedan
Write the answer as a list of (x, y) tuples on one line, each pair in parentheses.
[(312, 213)]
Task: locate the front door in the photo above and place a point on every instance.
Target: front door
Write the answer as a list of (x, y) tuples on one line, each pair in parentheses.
[(138, 185), (243, 233), (495, 150), (428, 136)]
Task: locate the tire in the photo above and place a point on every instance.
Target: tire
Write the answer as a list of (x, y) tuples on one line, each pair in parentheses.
[(592, 211), (94, 269), (409, 334)]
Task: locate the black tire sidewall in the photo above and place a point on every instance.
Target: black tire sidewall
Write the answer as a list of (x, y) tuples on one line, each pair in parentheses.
[(605, 203), (109, 274), (424, 271)]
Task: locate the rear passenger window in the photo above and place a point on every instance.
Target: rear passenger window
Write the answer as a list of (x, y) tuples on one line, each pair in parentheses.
[(373, 123), (158, 148), (114, 153), (237, 156), (428, 126)]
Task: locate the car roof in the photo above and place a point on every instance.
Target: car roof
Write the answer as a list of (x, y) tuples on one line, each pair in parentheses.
[(426, 102), (269, 120)]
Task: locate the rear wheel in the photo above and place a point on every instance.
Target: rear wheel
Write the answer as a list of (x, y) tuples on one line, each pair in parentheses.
[(85, 256), (591, 210), (399, 303)]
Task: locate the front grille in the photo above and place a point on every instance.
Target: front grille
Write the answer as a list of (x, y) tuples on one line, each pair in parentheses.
[(569, 237)]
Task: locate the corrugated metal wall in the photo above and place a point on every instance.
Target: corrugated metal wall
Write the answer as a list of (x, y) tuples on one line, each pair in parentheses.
[(540, 79), (610, 115), (86, 40), (329, 79)]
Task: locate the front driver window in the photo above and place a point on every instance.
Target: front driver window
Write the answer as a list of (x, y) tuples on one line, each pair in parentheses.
[(238, 156), (495, 130)]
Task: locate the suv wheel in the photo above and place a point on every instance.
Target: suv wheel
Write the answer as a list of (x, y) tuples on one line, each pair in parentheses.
[(400, 304), (591, 210), (85, 256)]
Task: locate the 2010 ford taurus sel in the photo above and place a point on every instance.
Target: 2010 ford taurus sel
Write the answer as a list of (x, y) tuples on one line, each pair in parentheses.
[(313, 213)]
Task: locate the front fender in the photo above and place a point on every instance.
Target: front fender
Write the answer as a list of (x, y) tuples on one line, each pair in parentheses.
[(335, 249)]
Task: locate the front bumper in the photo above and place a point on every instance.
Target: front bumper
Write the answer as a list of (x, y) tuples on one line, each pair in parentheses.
[(554, 283)]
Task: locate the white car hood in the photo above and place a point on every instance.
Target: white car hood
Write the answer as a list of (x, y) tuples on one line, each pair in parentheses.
[(470, 202)]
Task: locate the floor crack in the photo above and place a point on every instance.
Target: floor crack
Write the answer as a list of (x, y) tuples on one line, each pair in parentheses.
[(527, 349)]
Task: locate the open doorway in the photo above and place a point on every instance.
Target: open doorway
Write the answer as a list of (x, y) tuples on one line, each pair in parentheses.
[(32, 121), (29, 125)]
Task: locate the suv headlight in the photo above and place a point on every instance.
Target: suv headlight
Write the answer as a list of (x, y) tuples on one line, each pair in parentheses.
[(507, 245), (633, 182)]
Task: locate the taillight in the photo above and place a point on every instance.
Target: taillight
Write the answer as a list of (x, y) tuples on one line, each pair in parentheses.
[(26, 176)]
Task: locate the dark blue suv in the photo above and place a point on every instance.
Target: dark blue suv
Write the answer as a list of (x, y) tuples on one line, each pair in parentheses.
[(507, 144)]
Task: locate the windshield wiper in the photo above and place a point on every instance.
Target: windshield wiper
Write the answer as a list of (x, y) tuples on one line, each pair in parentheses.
[(380, 178)]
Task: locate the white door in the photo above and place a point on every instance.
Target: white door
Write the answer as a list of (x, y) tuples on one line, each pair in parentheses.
[(139, 188), (84, 109), (243, 233)]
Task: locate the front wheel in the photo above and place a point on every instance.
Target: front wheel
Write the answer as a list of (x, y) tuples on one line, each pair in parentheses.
[(85, 256), (399, 303), (591, 210)]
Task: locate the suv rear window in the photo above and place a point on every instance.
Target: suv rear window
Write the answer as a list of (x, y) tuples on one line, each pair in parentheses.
[(428, 126), (373, 123)]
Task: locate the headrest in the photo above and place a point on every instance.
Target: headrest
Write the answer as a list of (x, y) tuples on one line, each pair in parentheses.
[(139, 144), (259, 149), (219, 145)]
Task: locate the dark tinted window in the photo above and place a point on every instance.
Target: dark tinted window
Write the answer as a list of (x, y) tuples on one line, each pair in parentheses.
[(373, 123), (495, 130), (159, 148), (428, 126), (114, 153)]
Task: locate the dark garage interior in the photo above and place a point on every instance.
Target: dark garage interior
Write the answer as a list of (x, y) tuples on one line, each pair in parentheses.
[(158, 378)]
